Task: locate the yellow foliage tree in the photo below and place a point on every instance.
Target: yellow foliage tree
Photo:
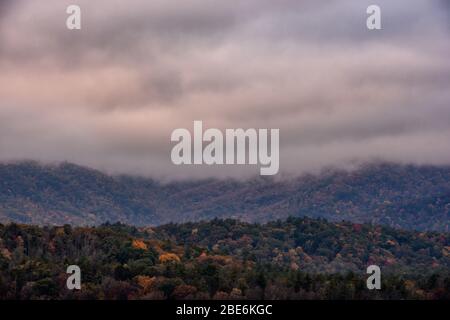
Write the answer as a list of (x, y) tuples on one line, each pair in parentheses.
[(139, 244), (167, 257), (145, 283)]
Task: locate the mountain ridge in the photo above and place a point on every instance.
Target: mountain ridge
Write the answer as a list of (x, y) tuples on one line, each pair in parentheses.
[(400, 196)]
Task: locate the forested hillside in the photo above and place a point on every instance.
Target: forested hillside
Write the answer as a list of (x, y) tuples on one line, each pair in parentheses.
[(407, 197), (300, 258)]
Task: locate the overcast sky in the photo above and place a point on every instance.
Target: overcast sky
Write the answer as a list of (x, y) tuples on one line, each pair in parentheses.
[(110, 95)]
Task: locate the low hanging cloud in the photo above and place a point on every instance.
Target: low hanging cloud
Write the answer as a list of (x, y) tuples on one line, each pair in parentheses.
[(108, 96)]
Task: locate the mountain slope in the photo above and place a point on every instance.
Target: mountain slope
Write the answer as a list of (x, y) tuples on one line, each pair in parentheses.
[(408, 197)]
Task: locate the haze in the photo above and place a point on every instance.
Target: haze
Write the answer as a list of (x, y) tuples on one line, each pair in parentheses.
[(109, 96)]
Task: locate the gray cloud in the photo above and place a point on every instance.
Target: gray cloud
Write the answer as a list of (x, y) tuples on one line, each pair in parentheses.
[(109, 95)]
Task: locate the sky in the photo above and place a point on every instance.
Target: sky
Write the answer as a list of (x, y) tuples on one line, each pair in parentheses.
[(109, 95)]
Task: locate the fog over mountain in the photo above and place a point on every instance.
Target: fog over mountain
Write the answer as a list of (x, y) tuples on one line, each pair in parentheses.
[(109, 96), (404, 197)]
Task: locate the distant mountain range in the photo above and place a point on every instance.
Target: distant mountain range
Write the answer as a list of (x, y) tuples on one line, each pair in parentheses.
[(400, 196)]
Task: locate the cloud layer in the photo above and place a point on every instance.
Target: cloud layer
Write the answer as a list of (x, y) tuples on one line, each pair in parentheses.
[(110, 95)]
